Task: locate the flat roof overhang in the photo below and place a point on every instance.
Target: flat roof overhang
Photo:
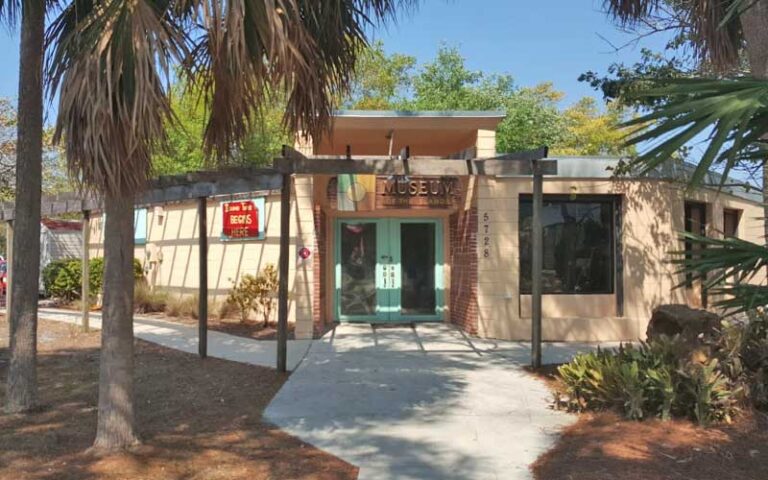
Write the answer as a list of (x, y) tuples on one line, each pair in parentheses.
[(433, 133)]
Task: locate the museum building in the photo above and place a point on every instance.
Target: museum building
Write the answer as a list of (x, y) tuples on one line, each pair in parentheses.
[(453, 248)]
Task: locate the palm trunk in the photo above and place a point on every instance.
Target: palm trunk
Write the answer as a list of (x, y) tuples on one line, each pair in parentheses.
[(22, 373), (116, 428), (754, 23)]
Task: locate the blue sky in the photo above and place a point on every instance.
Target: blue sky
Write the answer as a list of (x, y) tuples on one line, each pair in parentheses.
[(548, 40)]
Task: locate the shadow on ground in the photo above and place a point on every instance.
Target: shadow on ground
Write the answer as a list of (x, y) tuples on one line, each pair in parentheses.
[(419, 403), (198, 419)]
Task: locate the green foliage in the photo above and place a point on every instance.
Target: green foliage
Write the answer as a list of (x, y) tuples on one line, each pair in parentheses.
[(182, 306), (266, 289), (255, 292), (534, 117), (63, 278), (96, 275), (184, 152), (736, 112), (725, 266), (380, 79), (50, 272), (656, 379), (146, 300), (244, 296)]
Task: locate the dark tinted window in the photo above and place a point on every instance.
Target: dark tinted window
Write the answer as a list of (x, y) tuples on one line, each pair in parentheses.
[(731, 222), (578, 245)]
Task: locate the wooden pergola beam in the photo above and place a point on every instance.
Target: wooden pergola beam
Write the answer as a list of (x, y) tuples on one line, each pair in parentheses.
[(411, 166)]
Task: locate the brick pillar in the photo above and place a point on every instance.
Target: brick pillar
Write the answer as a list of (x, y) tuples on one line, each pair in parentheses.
[(463, 233), (318, 267)]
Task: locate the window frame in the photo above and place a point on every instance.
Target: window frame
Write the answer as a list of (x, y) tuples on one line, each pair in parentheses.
[(614, 201), (736, 213), (688, 251)]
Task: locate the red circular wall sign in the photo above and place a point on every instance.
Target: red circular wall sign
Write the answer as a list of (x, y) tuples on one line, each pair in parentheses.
[(304, 253)]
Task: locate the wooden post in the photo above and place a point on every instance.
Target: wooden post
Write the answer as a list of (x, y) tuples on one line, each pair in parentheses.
[(282, 298), (8, 267), (85, 296), (537, 264), (202, 309)]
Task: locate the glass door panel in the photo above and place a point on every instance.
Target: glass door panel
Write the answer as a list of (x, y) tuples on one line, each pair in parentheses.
[(357, 269), (418, 295), (389, 270)]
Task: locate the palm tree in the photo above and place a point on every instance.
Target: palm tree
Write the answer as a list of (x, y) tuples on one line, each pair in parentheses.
[(22, 375), (734, 107), (719, 31), (112, 61)]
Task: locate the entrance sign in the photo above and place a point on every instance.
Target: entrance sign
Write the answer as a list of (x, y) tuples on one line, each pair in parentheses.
[(243, 219), (417, 192), (369, 192)]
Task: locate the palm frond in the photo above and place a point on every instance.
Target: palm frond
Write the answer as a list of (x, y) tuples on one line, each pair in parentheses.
[(630, 11), (111, 62), (711, 26), (9, 12), (721, 259), (735, 298), (305, 51), (728, 267), (735, 110)]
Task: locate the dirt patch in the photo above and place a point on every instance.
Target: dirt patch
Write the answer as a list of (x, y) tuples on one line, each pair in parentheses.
[(232, 326), (606, 447), (547, 374), (199, 419)]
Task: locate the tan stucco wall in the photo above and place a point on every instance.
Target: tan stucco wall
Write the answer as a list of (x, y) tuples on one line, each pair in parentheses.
[(170, 255), (652, 214)]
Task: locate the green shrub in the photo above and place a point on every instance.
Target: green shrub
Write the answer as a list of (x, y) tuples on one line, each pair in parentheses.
[(266, 289), (655, 379), (244, 296), (253, 293), (50, 272), (63, 278), (222, 309), (182, 306), (96, 271), (146, 300)]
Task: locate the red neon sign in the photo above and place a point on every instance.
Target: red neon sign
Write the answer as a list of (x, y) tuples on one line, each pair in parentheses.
[(241, 219)]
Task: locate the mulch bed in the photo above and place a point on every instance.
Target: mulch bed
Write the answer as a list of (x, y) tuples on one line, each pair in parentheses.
[(605, 446), (199, 419)]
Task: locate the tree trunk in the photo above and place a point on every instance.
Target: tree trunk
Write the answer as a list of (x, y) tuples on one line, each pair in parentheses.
[(22, 374), (754, 23), (115, 428)]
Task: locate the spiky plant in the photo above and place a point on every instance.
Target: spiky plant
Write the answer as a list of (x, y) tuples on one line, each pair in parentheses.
[(734, 109)]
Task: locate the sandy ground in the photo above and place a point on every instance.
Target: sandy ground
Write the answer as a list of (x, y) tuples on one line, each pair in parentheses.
[(198, 419)]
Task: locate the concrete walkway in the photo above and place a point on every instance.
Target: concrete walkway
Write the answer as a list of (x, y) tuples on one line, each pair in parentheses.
[(422, 403), (184, 337)]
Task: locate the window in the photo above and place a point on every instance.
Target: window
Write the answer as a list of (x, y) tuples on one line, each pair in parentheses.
[(140, 226), (696, 223), (731, 220), (578, 244)]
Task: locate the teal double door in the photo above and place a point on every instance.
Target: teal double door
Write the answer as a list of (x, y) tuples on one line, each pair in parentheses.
[(389, 270)]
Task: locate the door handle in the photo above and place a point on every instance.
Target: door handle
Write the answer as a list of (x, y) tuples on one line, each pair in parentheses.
[(387, 257)]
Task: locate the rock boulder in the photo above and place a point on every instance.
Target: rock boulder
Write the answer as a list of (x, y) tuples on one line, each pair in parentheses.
[(692, 324)]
